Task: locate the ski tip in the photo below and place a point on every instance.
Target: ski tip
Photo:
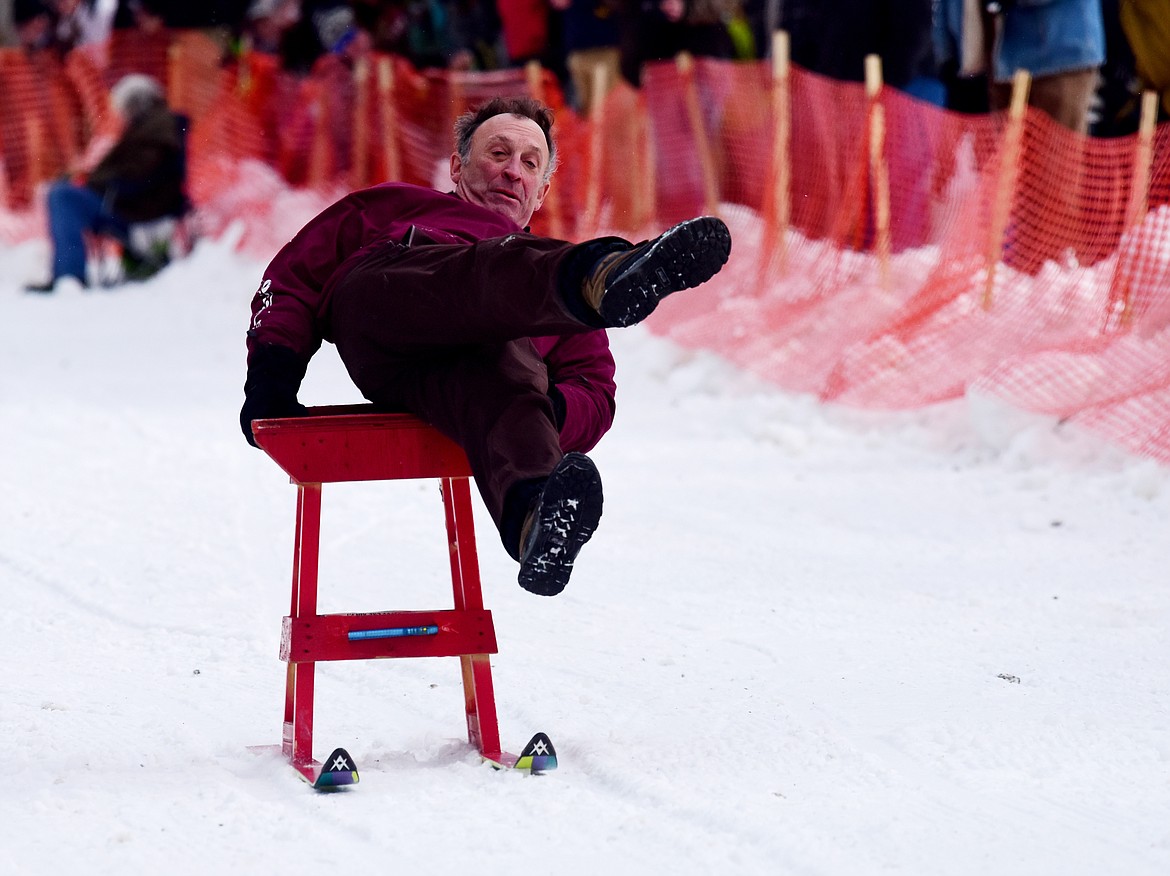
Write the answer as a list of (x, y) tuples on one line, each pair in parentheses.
[(337, 770), (538, 755)]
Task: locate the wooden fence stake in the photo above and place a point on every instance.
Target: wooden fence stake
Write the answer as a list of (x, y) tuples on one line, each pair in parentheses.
[(644, 169), (777, 202), (592, 215), (779, 216), (360, 159), (5, 189), (177, 89), (1120, 311), (1143, 161), (1009, 169), (321, 152), (244, 68), (552, 202), (391, 157), (879, 172), (686, 67)]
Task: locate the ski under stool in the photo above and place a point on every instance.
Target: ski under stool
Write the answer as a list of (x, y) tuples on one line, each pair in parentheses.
[(355, 443)]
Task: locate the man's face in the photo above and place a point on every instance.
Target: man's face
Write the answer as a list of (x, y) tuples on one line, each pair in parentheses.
[(505, 170)]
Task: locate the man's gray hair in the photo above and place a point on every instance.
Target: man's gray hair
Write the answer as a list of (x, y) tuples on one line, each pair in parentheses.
[(525, 107), (136, 94)]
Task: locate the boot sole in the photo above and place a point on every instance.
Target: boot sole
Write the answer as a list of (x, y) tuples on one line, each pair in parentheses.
[(683, 257), (566, 517)]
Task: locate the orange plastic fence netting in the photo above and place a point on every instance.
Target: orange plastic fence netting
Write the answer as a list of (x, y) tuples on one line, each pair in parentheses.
[(1015, 259), (886, 253)]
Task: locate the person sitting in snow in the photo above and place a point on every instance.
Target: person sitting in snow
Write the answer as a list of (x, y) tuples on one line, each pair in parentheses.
[(140, 179), (443, 306)]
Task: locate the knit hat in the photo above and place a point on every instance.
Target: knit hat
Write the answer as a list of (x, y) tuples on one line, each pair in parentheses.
[(135, 94), (335, 27)]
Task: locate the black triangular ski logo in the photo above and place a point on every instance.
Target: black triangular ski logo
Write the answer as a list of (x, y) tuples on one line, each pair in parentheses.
[(538, 755), (337, 769), (539, 746)]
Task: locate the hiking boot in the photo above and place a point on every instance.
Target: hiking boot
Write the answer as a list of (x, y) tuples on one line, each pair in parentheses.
[(562, 519), (67, 283), (624, 287)]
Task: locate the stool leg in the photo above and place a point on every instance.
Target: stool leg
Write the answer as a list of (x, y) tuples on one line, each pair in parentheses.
[(479, 696), (483, 729), (308, 545), (461, 535), (297, 740)]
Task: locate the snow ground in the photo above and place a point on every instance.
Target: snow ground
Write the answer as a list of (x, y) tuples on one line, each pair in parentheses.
[(805, 640)]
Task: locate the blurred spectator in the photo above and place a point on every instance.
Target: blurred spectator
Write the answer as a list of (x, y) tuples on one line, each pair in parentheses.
[(139, 14), (305, 41), (219, 20), (338, 31), (299, 45), (267, 21), (590, 38), (331, 92), (525, 25), (1115, 112), (1060, 42), (762, 18), (84, 22), (656, 30), (710, 28), (833, 38), (34, 22), (477, 34), (385, 21), (430, 40), (967, 85), (216, 15), (647, 31), (140, 179), (205, 15), (1147, 25), (452, 34)]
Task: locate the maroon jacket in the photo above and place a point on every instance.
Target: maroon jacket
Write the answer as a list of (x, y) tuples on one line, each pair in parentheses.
[(291, 307)]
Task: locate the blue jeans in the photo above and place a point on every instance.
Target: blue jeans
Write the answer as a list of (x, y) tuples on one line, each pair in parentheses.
[(74, 210)]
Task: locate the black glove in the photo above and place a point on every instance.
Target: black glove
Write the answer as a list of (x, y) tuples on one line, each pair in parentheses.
[(274, 376)]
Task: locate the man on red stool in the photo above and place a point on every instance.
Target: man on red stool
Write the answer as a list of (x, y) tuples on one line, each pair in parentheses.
[(443, 306)]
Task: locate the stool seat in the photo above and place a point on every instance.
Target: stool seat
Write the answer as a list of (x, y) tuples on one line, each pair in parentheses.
[(358, 443)]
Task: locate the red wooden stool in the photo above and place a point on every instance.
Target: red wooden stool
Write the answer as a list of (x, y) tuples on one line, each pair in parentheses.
[(350, 443)]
